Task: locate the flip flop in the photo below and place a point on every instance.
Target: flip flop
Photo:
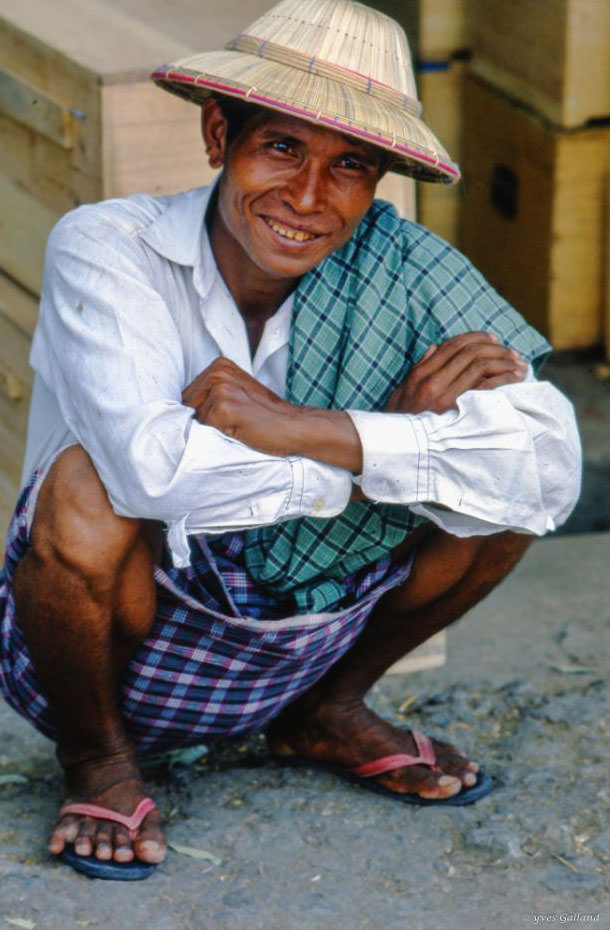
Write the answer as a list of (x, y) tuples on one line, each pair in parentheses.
[(362, 774), (110, 870)]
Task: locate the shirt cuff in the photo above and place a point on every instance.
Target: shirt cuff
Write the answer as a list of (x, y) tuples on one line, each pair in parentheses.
[(324, 492), (395, 456)]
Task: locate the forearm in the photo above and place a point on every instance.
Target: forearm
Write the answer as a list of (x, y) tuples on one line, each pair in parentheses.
[(327, 436)]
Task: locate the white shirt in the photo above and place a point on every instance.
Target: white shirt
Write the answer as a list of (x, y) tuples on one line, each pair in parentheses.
[(133, 307)]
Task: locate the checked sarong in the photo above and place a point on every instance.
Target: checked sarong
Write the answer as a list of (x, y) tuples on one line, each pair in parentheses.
[(223, 657)]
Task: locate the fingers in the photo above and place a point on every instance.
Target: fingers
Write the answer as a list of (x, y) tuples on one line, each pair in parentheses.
[(459, 365), (475, 373), (429, 352), (221, 370), (453, 346), (487, 384)]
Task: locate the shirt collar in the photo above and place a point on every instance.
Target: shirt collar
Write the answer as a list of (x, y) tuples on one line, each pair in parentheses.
[(179, 234)]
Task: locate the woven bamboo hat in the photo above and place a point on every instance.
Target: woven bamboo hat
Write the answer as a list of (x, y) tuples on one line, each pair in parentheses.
[(335, 63)]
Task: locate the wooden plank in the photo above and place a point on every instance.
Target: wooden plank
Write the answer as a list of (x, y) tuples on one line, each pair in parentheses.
[(13, 427), (72, 86), (25, 225), (18, 305), (191, 22), (578, 270), (37, 166), (138, 121), (14, 357), (35, 109), (104, 40), (553, 56), (441, 92)]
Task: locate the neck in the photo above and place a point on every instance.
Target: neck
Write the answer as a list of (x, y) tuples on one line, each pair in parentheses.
[(256, 293)]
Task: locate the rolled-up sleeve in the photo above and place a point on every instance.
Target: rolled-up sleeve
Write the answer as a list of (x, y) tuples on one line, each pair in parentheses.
[(110, 352), (504, 459)]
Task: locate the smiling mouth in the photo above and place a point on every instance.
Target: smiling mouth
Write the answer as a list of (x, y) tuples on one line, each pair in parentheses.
[(297, 235)]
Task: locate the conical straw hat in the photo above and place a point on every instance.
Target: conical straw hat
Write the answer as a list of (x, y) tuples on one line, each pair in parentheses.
[(335, 63)]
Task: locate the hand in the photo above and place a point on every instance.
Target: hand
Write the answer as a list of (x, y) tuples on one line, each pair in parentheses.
[(231, 400), (463, 363), (228, 398)]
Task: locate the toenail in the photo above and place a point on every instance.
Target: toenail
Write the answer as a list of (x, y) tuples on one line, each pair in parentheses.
[(469, 778), (149, 845), (445, 780)]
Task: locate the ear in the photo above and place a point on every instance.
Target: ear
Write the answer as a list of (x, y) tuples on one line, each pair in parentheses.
[(214, 132)]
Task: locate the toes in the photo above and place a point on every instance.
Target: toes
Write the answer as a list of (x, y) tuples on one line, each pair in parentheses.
[(84, 841), (103, 842), (150, 845), (123, 849), (459, 768), (64, 832), (417, 779), (452, 762), (445, 787)]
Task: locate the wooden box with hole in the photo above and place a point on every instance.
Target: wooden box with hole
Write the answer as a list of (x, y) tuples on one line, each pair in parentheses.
[(535, 214)]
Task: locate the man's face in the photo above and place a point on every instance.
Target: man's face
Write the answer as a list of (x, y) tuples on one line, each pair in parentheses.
[(291, 193)]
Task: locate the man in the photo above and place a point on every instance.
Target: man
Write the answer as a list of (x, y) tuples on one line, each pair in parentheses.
[(247, 399)]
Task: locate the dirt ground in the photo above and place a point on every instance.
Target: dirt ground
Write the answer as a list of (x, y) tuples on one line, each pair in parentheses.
[(267, 848)]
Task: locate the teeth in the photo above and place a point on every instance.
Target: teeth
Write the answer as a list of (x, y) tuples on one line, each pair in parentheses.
[(298, 234)]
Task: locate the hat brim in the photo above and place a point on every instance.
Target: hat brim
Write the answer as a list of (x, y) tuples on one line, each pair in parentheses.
[(416, 150)]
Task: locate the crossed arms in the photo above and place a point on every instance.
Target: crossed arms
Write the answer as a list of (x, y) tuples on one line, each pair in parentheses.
[(110, 355)]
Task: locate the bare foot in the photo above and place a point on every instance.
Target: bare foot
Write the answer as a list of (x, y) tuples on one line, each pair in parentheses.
[(114, 782), (349, 735)]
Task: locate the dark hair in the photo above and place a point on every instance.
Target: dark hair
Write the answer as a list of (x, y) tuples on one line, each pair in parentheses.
[(237, 113)]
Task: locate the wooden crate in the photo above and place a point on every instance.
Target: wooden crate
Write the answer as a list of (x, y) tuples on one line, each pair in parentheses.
[(18, 310), (441, 91), (79, 120), (552, 55), (535, 214)]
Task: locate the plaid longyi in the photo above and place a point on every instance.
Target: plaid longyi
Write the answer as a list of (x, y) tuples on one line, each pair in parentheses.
[(223, 657)]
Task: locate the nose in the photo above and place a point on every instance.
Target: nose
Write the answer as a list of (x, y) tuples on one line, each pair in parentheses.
[(306, 190)]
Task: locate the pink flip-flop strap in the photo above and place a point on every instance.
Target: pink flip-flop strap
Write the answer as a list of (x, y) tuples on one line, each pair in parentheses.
[(426, 756), (133, 823)]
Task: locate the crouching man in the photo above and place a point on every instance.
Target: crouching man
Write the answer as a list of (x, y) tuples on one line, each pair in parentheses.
[(279, 437)]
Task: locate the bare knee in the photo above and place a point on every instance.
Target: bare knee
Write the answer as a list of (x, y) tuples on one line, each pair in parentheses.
[(75, 525), (444, 563)]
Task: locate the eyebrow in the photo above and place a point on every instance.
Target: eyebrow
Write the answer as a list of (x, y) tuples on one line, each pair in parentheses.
[(365, 150)]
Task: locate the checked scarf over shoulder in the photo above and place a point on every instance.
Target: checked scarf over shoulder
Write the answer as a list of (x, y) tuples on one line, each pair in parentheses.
[(361, 319)]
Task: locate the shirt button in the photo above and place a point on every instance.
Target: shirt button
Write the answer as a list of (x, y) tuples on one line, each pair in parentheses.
[(318, 505)]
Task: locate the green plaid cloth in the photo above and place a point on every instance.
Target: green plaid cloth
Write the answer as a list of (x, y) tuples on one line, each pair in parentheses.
[(361, 319)]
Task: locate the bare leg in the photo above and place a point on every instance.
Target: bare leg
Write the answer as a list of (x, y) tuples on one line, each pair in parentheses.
[(85, 598), (331, 722)]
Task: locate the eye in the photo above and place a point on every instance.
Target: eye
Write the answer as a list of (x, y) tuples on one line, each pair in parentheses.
[(282, 146), (353, 164)]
